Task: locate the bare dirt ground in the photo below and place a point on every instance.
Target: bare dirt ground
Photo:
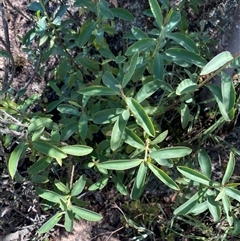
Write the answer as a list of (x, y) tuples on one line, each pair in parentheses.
[(19, 212)]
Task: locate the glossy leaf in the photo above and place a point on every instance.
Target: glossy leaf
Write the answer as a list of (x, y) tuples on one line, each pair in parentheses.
[(122, 13), (171, 152), (140, 46), (48, 149), (83, 126), (85, 34), (227, 209), (38, 123), (142, 118), (186, 207), (194, 175), (69, 130), (119, 130), (105, 11), (200, 208), (147, 90), (107, 116), (139, 182), (233, 193), (157, 12), (39, 179), (133, 140), (110, 81), (183, 40), (138, 33), (15, 156), (40, 165), (217, 62), (179, 54), (49, 195), (78, 186), (229, 170), (86, 214), (158, 67), (68, 109), (77, 150), (97, 90), (214, 208), (61, 187), (186, 86), (185, 115), (162, 176), (205, 163), (50, 223), (99, 184), (120, 164), (173, 18)]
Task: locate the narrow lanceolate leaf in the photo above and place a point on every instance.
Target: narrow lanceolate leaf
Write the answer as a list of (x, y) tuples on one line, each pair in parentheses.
[(122, 13), (17, 153), (186, 86), (229, 170), (173, 18), (107, 116), (186, 207), (162, 176), (49, 195), (131, 68), (110, 81), (233, 193), (171, 152), (133, 140), (68, 109), (83, 126), (68, 220), (159, 138), (214, 208), (157, 12), (142, 118), (217, 62), (120, 164), (86, 214), (48, 149), (179, 54), (78, 186), (119, 130), (205, 163), (77, 150), (158, 67), (227, 209), (185, 115), (40, 165), (140, 46), (139, 182), (194, 175), (50, 223), (62, 187), (85, 34), (97, 90)]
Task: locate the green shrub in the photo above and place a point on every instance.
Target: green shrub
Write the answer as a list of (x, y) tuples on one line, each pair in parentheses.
[(116, 112)]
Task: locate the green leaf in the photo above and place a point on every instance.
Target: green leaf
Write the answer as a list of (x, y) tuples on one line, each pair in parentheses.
[(78, 186), (183, 40), (228, 93), (139, 182), (15, 156), (138, 33), (133, 140), (49, 195), (147, 90), (200, 208), (97, 90), (86, 214), (130, 70), (236, 230), (48, 149), (214, 208), (157, 12), (68, 109), (100, 184), (173, 18), (119, 130), (227, 209), (158, 67), (4, 54), (178, 54), (188, 206), (40, 165), (69, 130), (110, 81), (77, 150), (53, 105), (50, 223), (119, 185), (217, 62), (61, 187), (107, 116), (162, 176), (35, 6), (186, 86), (205, 163), (120, 164), (171, 152), (88, 63), (68, 221), (104, 9), (85, 33), (229, 170), (185, 115), (83, 126), (39, 179), (140, 46), (194, 175), (38, 123), (142, 118), (122, 14), (159, 138), (233, 193)]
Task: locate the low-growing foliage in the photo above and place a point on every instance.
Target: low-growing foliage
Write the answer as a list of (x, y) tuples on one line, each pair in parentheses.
[(116, 113)]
